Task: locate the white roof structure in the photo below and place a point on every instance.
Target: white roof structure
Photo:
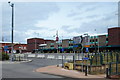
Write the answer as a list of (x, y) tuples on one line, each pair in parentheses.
[(43, 45)]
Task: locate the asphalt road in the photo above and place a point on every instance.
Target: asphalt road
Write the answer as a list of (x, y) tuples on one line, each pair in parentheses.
[(26, 70)]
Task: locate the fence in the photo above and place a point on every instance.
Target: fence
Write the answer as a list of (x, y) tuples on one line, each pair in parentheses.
[(20, 57), (98, 62), (114, 68), (103, 58)]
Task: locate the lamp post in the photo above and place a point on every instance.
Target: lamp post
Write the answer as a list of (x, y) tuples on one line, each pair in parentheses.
[(98, 42), (12, 5)]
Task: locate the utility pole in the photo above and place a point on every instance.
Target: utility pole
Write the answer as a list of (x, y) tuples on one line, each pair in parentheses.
[(12, 5)]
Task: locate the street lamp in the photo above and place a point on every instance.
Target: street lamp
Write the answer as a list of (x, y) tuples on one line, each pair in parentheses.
[(98, 41), (12, 5)]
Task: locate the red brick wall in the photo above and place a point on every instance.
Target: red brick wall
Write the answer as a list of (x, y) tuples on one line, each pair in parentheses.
[(17, 46), (114, 36), (34, 43)]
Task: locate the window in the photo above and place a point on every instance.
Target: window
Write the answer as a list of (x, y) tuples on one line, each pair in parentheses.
[(59, 45), (106, 39), (90, 40), (70, 41), (52, 46), (106, 35), (51, 43), (70, 44), (96, 40), (91, 36)]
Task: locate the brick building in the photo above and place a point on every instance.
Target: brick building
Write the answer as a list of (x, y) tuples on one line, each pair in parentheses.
[(100, 40), (98, 43), (110, 41), (114, 36), (33, 43), (20, 48), (6, 47), (49, 43)]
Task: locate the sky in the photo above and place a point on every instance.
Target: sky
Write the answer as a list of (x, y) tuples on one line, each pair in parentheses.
[(43, 19)]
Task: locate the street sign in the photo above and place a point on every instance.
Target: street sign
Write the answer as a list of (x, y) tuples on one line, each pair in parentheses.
[(86, 58), (87, 46), (62, 49), (75, 45), (5, 48)]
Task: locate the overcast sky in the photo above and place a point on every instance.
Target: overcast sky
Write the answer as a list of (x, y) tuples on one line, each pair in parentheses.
[(43, 19)]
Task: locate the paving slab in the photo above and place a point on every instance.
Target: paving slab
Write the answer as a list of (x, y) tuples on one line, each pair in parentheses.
[(68, 73)]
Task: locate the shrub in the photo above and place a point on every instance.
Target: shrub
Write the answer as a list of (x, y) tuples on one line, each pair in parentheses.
[(5, 56)]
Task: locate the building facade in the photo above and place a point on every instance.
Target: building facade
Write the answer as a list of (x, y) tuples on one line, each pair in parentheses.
[(99, 43), (17, 48), (100, 40), (114, 36), (33, 43), (20, 48)]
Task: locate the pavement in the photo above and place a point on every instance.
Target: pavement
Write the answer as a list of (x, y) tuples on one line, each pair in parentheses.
[(14, 62), (64, 72)]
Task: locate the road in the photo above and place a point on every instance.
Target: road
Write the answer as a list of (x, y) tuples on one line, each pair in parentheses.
[(26, 70)]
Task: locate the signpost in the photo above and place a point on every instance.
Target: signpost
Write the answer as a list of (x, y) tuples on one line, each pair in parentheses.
[(86, 58), (78, 43), (5, 48), (86, 68)]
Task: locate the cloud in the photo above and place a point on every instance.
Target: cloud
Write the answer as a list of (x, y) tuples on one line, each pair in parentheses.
[(26, 14), (101, 23), (83, 8), (70, 19)]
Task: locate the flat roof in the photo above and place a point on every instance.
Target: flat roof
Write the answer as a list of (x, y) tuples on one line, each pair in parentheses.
[(114, 27)]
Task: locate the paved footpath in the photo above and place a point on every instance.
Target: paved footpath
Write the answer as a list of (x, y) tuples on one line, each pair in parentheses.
[(64, 72)]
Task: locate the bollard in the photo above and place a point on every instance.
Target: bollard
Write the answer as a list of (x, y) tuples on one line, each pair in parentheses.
[(62, 62), (107, 74), (73, 62), (85, 70)]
